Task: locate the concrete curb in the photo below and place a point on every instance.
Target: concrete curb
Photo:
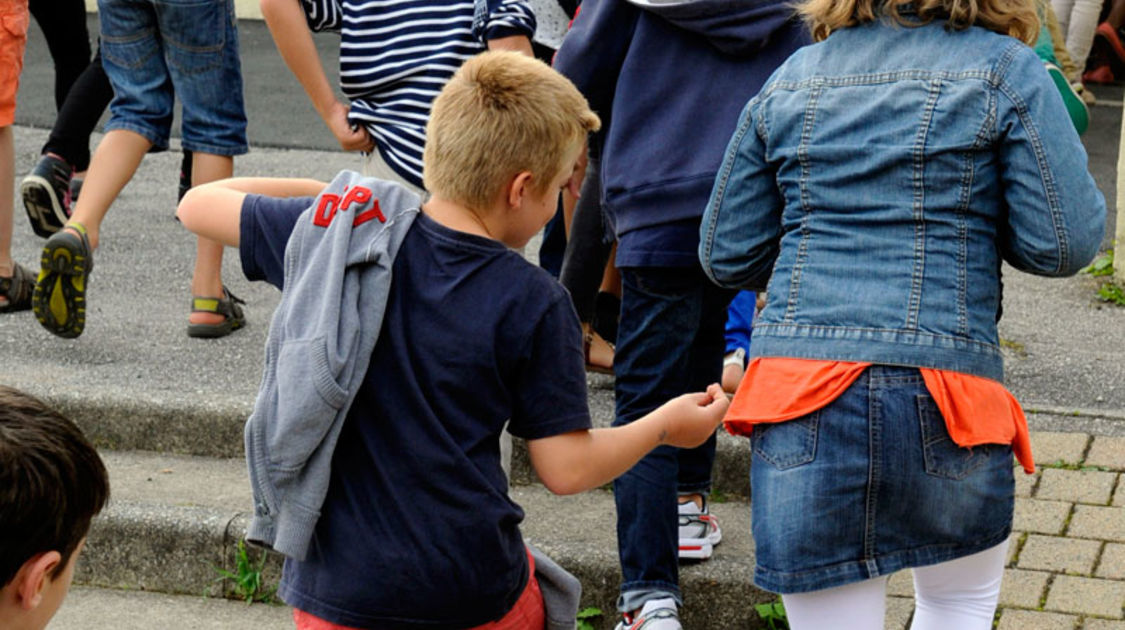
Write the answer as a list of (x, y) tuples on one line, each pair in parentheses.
[(173, 549)]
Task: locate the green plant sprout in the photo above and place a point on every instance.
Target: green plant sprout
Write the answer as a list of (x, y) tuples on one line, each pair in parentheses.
[(1102, 265), (247, 577), (586, 616), (1110, 292), (773, 614)]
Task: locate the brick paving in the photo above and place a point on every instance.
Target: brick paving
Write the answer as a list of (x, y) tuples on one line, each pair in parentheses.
[(1066, 556), (1066, 570)]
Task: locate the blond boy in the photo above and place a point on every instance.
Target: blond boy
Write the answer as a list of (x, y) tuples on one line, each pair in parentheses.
[(471, 336)]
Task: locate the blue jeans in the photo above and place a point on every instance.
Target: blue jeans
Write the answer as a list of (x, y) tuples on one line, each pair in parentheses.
[(154, 50), (869, 485), (670, 342)]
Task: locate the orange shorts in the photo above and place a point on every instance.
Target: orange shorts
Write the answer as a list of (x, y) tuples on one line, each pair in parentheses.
[(528, 612), (13, 39)]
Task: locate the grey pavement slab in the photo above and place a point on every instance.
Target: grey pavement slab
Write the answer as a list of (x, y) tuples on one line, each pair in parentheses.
[(109, 609)]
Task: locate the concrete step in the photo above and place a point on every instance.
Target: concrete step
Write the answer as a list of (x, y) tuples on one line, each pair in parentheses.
[(108, 609), (174, 521), (123, 422)]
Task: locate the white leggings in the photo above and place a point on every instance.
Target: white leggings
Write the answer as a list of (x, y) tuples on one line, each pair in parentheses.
[(1078, 20), (960, 594)]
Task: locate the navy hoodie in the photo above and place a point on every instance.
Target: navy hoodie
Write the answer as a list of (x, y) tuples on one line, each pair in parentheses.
[(669, 79)]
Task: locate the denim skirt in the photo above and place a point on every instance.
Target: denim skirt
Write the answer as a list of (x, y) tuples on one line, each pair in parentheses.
[(871, 484)]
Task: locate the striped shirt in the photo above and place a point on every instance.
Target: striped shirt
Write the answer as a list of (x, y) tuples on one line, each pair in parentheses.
[(395, 56)]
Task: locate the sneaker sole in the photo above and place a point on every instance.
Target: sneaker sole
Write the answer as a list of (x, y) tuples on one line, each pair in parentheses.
[(59, 298), (213, 331), (44, 209), (695, 549)]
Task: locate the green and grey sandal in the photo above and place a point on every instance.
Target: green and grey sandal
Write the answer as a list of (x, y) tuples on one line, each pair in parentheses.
[(59, 298), (16, 290), (227, 306)]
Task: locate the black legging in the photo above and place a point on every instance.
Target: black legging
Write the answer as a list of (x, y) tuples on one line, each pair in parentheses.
[(63, 23), (79, 114), (588, 248)]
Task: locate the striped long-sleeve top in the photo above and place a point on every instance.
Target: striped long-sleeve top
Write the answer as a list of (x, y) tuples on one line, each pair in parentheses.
[(395, 56)]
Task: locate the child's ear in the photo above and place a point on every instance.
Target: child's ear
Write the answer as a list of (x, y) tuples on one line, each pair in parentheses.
[(34, 576), (519, 188)]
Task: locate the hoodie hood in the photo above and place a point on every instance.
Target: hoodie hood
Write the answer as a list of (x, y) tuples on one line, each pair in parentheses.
[(735, 27)]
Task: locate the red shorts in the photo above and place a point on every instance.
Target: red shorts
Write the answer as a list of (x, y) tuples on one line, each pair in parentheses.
[(527, 613), (13, 39)]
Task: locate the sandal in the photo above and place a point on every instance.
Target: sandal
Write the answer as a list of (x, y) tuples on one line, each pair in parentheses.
[(59, 299), (17, 290), (227, 306), (587, 341)]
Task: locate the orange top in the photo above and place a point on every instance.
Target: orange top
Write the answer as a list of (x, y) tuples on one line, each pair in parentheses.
[(977, 410)]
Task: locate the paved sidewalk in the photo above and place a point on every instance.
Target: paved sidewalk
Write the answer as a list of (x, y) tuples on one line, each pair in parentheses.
[(136, 381), (1066, 564)]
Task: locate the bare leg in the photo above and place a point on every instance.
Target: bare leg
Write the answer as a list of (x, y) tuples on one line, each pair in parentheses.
[(7, 191), (1116, 17), (113, 165), (207, 279)]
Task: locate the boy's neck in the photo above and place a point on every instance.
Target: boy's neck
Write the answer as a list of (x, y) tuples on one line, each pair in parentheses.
[(460, 218)]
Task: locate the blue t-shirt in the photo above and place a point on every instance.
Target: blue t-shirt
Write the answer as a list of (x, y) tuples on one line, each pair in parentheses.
[(417, 529)]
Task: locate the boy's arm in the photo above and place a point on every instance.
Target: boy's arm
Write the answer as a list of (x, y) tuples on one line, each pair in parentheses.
[(594, 49), (286, 21), (581, 460), (504, 25), (214, 210)]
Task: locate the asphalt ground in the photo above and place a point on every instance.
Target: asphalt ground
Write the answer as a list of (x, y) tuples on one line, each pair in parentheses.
[(1063, 346)]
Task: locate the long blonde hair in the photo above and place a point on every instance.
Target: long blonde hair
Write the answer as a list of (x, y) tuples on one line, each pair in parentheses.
[(1008, 17)]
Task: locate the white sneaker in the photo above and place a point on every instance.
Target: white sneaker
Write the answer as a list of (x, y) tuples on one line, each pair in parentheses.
[(699, 531), (657, 614)]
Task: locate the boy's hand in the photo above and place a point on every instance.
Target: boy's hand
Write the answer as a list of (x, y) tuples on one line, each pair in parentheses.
[(690, 419), (350, 139)]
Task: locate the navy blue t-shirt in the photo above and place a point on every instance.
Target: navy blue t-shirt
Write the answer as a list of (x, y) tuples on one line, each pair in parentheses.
[(417, 529)]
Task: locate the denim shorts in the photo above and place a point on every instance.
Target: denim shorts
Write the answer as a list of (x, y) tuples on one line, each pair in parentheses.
[(871, 484), (154, 50)]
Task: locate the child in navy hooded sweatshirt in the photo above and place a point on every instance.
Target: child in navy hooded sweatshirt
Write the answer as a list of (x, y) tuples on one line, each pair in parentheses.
[(669, 79)]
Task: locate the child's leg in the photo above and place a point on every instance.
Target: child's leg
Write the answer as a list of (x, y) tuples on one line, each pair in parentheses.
[(662, 312), (7, 166), (207, 278), (961, 593), (114, 162), (856, 606), (63, 23)]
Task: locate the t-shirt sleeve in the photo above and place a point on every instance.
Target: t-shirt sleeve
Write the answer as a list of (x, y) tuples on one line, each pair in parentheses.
[(266, 224), (550, 393)]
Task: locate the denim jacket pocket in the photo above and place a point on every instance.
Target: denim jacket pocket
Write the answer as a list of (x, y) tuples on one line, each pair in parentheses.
[(943, 457), (788, 444)]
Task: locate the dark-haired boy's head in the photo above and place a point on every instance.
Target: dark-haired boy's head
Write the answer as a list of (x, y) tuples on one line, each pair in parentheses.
[(52, 483)]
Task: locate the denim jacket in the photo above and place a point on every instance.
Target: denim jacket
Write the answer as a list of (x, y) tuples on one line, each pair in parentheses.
[(878, 180)]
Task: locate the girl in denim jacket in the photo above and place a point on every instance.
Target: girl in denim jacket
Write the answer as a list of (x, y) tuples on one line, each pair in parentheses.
[(877, 182)]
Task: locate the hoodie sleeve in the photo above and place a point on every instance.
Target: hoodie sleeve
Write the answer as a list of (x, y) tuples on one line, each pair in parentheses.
[(741, 228), (493, 19), (594, 49)]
